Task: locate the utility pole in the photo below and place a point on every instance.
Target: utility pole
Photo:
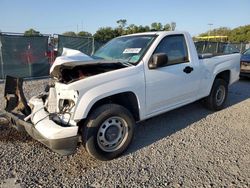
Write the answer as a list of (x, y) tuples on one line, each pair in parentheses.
[(210, 25)]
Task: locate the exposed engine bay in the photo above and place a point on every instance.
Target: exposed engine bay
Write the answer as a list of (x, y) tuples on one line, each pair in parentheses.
[(71, 74), (74, 65)]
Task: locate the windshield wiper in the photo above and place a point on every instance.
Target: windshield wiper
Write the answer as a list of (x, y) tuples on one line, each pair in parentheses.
[(96, 57), (127, 63)]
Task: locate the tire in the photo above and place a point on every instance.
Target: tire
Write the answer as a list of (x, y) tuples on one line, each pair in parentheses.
[(218, 95), (108, 131)]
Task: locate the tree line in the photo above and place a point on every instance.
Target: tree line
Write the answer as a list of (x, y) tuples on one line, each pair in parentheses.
[(238, 34), (104, 34)]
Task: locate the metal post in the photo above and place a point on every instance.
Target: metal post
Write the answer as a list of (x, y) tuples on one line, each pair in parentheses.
[(1, 58), (217, 47), (93, 46), (241, 46), (204, 46)]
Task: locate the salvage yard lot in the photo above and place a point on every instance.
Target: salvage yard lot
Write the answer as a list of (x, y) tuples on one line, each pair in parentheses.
[(188, 147)]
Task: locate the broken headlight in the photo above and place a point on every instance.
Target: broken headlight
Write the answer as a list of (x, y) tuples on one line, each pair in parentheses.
[(65, 105)]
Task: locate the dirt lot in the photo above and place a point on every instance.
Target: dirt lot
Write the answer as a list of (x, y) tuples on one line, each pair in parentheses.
[(187, 147)]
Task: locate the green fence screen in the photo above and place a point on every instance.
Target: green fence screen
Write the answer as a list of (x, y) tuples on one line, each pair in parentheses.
[(24, 56), (83, 44)]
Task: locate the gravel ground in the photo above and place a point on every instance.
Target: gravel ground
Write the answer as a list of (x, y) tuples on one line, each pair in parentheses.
[(187, 147)]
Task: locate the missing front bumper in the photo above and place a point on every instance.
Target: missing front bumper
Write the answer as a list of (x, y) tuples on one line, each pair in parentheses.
[(63, 146), (59, 139)]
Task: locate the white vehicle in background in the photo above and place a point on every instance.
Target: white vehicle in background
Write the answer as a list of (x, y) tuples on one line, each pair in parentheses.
[(130, 79)]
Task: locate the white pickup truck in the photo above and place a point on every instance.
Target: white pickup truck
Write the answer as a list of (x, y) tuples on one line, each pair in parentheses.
[(130, 79)]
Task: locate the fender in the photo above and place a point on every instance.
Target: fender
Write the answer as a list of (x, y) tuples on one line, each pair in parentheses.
[(95, 94)]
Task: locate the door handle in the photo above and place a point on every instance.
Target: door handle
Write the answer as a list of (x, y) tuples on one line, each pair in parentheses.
[(188, 69)]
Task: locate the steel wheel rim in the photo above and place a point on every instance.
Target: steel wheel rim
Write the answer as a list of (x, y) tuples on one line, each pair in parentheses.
[(112, 134), (220, 95)]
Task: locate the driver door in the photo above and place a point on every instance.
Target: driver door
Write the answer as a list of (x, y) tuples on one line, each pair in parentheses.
[(171, 85)]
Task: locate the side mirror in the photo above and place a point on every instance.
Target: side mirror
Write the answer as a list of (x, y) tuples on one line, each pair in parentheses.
[(158, 60)]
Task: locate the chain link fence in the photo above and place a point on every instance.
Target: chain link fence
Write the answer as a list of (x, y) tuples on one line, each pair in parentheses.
[(220, 47)]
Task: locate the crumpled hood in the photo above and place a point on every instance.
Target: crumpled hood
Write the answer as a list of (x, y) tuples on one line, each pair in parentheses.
[(69, 57), (73, 65)]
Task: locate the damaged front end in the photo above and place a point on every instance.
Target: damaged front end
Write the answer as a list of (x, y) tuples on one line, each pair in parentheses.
[(46, 117)]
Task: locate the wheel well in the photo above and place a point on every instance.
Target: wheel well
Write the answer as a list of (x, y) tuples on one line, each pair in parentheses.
[(225, 75), (126, 99)]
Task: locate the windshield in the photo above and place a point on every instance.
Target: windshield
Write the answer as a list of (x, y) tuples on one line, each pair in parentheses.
[(129, 48), (247, 52)]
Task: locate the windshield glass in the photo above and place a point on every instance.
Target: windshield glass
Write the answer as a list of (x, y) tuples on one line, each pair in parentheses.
[(129, 48), (247, 52)]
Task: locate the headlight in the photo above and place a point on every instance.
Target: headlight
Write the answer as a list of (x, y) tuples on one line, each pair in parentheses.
[(65, 105)]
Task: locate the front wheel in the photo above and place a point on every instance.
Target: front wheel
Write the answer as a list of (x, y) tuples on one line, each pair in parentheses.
[(217, 97), (108, 131)]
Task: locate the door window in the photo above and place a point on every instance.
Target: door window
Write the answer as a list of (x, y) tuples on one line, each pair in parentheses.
[(174, 46)]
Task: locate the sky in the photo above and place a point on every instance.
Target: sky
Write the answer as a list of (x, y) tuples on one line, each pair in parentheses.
[(56, 17)]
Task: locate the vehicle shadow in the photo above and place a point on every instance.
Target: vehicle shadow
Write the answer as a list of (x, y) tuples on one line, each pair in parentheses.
[(163, 126)]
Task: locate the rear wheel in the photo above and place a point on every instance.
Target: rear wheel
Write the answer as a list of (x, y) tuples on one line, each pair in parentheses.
[(108, 131), (217, 97)]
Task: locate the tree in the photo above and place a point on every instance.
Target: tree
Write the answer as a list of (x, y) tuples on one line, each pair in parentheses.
[(167, 27), (143, 28), (84, 34), (105, 34), (147, 28), (132, 28), (240, 34), (32, 32), (223, 31), (121, 23), (70, 34), (173, 26), (156, 26)]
